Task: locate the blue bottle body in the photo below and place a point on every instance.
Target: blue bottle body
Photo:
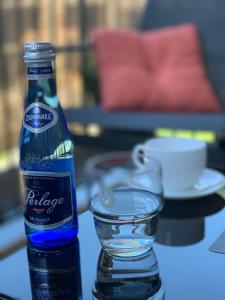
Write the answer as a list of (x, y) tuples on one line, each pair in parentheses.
[(47, 164)]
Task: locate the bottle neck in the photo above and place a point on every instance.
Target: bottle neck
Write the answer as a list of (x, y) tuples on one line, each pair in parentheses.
[(41, 82)]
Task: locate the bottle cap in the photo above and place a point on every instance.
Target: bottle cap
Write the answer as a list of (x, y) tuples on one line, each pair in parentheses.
[(38, 52)]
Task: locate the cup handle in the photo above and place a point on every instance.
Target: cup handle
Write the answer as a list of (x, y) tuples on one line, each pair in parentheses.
[(138, 155)]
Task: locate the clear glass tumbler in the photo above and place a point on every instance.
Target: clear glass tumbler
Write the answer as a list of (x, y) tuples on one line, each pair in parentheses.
[(126, 219)]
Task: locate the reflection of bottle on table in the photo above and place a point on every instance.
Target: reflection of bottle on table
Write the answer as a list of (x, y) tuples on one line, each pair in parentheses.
[(55, 274), (128, 278)]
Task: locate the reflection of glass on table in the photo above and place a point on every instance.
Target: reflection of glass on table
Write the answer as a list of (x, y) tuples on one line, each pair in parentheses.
[(128, 278)]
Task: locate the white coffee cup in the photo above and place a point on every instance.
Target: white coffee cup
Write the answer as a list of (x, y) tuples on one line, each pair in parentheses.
[(182, 160)]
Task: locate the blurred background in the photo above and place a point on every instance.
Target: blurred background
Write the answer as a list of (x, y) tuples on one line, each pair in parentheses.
[(62, 22)]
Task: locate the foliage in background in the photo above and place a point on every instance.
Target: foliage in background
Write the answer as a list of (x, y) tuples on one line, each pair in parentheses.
[(90, 77)]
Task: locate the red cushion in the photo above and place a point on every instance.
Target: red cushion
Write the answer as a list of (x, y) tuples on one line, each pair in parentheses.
[(161, 70)]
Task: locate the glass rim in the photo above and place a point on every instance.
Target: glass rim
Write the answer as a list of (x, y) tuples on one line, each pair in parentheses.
[(119, 217), (93, 162), (146, 171)]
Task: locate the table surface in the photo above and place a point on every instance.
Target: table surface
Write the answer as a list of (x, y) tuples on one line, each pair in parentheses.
[(188, 270)]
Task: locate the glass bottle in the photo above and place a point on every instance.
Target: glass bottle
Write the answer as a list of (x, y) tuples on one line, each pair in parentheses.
[(46, 156)]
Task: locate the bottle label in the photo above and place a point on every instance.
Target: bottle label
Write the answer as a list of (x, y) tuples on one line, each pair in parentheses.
[(39, 117), (48, 199), (37, 72)]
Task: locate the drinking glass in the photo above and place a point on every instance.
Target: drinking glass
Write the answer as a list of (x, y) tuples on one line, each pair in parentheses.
[(107, 170), (148, 178), (125, 219), (116, 169)]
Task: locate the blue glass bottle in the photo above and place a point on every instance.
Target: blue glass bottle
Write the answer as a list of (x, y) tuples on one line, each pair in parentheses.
[(55, 274), (46, 156)]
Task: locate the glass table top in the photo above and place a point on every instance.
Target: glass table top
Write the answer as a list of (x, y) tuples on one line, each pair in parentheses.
[(179, 265)]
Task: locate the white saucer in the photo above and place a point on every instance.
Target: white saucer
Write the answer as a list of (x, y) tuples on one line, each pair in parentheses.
[(210, 182)]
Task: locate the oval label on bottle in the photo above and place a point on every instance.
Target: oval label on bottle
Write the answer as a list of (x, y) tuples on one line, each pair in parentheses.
[(39, 117)]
